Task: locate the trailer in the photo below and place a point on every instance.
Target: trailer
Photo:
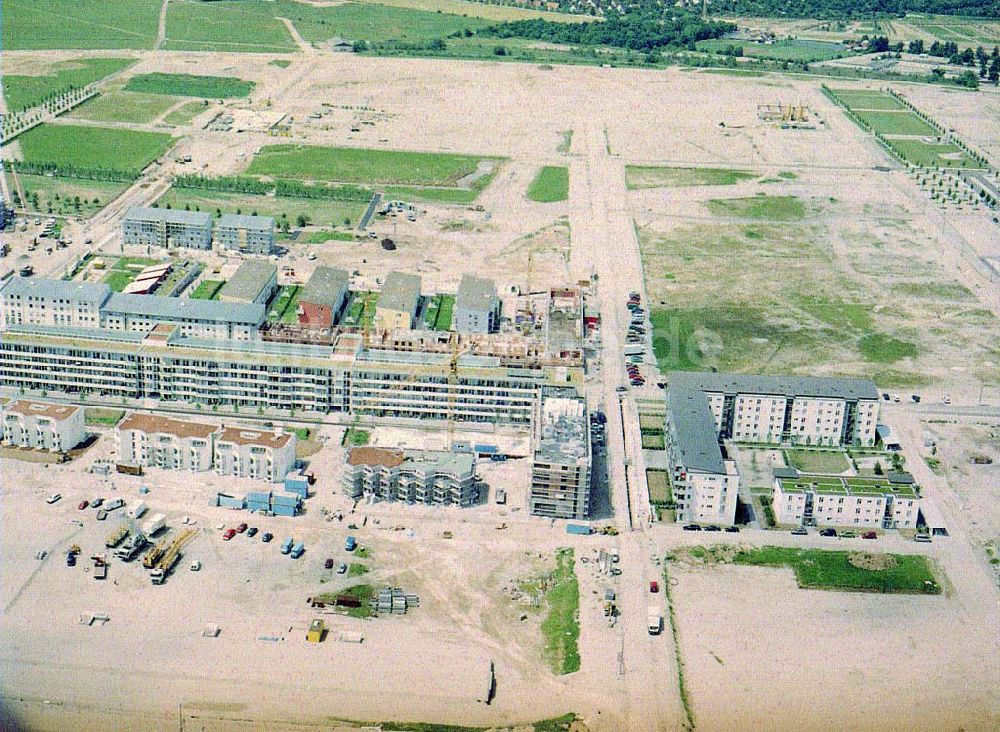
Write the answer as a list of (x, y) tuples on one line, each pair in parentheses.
[(579, 529), (125, 469), (154, 524), (138, 510), (116, 537), (113, 504)]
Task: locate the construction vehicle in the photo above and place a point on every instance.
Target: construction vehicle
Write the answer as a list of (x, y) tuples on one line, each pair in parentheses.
[(154, 524), (100, 566), (170, 557), (155, 554), (655, 620), (131, 548), (116, 537), (608, 530)]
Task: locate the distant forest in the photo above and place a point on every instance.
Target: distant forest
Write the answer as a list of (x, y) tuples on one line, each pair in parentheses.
[(828, 9)]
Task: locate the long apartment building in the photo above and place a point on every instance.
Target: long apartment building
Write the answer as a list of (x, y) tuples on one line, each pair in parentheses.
[(243, 452), (43, 425), (164, 227), (247, 234), (429, 477), (889, 502), (705, 409), (154, 441), (561, 465)]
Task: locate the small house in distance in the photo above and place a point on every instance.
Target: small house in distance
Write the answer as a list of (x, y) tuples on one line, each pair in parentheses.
[(397, 302), (340, 45), (323, 297), (477, 307), (247, 234), (253, 282)]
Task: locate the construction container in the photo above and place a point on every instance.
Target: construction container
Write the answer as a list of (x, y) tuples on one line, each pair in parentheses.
[(138, 509), (227, 501), (315, 632), (284, 510), (297, 482), (579, 529)]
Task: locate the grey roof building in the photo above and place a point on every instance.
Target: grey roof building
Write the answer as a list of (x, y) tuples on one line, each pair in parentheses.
[(253, 281), (691, 431), (477, 307), (560, 468), (247, 234), (323, 297), (398, 301), (166, 227), (823, 387), (177, 309), (90, 292)]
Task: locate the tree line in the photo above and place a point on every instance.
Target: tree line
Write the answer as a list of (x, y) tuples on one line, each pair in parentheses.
[(281, 187), (828, 9)]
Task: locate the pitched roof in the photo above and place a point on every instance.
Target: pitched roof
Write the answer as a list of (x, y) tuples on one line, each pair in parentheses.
[(326, 286), (158, 424), (401, 291), (242, 221), (169, 215), (185, 308)]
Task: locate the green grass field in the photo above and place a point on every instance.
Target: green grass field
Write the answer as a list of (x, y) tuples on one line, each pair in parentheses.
[(124, 269), (283, 306), (184, 114), (832, 570), (551, 184), (897, 123), (856, 99), (207, 290), (932, 155), (659, 486), (57, 195), (241, 26), (823, 462), (44, 24), (434, 195), (652, 176), (23, 91), (189, 85), (93, 147), (317, 211), (361, 165), (771, 208), (354, 437), (439, 311), (561, 626), (123, 107), (784, 50), (106, 417), (881, 348)]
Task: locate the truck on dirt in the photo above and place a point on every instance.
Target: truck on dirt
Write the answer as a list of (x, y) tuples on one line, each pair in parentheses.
[(655, 623)]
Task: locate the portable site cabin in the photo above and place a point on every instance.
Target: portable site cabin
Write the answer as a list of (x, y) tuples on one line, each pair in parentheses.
[(315, 632)]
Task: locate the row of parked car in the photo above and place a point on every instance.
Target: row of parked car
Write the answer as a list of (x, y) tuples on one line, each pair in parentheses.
[(711, 527), (250, 531), (635, 350)]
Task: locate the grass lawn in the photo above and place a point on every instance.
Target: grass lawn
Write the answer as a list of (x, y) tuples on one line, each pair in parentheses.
[(784, 50), (22, 92), (771, 208), (57, 195), (932, 155), (897, 123), (652, 442), (316, 210), (361, 311), (551, 184), (106, 417), (654, 176), (438, 313), (247, 27), (561, 626), (58, 24), (822, 569), (826, 462), (93, 147), (433, 195), (881, 348), (123, 107), (124, 271), (364, 593), (283, 304), (360, 165), (184, 114), (855, 99), (356, 569), (189, 85), (118, 280), (354, 437), (659, 486), (322, 237), (207, 290)]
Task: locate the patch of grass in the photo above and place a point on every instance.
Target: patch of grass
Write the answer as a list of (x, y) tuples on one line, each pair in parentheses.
[(356, 569), (652, 442), (246, 27), (881, 348), (855, 99), (118, 280), (301, 433), (826, 462), (129, 151), (565, 142), (282, 208), (207, 290), (122, 107), (361, 311), (783, 50), (281, 63), (190, 85), (105, 417), (659, 487), (932, 154), (57, 195), (445, 310), (831, 570), (283, 306), (354, 437), (654, 176), (184, 114), (23, 91), (361, 165), (897, 123), (482, 10), (363, 593), (433, 195), (322, 237), (60, 24), (551, 184), (561, 626), (787, 175), (771, 208), (363, 552)]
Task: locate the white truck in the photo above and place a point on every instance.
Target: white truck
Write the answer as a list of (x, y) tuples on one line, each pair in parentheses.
[(655, 620), (138, 509), (157, 522)]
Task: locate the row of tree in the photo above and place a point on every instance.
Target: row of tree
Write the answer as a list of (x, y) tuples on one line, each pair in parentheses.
[(281, 187), (73, 171), (836, 9)]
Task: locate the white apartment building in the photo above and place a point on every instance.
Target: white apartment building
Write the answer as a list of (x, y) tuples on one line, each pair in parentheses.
[(153, 441), (430, 477), (33, 301), (261, 455), (43, 425), (890, 502)]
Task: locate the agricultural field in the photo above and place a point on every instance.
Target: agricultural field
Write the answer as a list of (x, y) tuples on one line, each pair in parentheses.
[(932, 154), (123, 106), (966, 32), (784, 50), (551, 184), (23, 90), (58, 195), (190, 85), (318, 211), (183, 115), (88, 147), (897, 123), (83, 24), (654, 176)]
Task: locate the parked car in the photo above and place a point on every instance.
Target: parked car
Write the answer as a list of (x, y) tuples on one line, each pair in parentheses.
[(922, 538), (96, 502), (342, 568), (654, 586), (868, 535), (799, 532), (229, 534), (848, 535), (828, 532), (82, 505), (70, 559), (241, 528), (692, 527), (712, 527), (53, 498), (252, 531), (732, 529), (267, 537), (328, 564)]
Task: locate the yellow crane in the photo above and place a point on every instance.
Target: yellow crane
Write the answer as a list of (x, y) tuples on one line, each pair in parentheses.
[(153, 555), (170, 557)]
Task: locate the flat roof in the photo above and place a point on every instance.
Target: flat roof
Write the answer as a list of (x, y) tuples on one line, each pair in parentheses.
[(375, 457), (452, 463), (243, 221), (476, 294), (249, 279), (857, 486), (401, 292), (692, 427), (169, 216), (41, 409), (829, 387), (326, 286), (564, 431), (158, 424), (186, 308), (92, 292), (249, 436)]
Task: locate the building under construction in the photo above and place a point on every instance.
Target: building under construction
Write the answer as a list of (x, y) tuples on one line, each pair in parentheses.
[(788, 115)]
